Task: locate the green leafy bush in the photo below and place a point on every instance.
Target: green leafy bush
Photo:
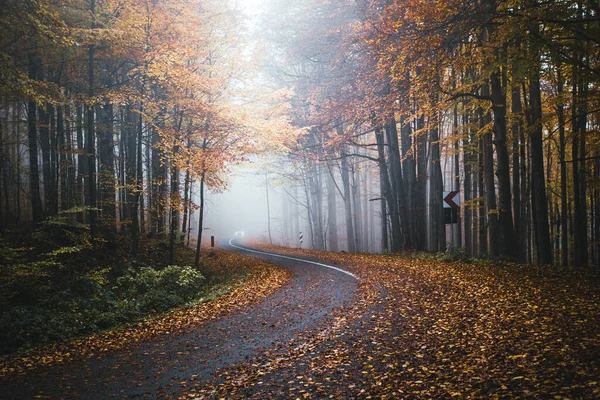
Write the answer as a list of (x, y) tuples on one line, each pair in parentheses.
[(456, 253), (159, 290), (38, 309)]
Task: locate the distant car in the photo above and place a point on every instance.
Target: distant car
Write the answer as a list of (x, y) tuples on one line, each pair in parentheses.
[(239, 234)]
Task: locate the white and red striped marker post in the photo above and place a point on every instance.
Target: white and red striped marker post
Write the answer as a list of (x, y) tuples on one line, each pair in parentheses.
[(300, 239)]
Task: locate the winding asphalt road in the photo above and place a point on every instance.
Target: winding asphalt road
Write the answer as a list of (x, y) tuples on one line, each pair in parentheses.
[(165, 366)]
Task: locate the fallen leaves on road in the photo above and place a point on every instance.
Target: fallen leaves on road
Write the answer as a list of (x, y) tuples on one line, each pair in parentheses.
[(260, 280), (428, 329)]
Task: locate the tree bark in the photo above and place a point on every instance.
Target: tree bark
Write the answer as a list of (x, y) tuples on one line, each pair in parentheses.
[(332, 235), (490, 186), (397, 182), (436, 189), (388, 192), (200, 218), (345, 172), (175, 200), (34, 174), (131, 186), (564, 218), (468, 188), (517, 129), (506, 237), (107, 172), (90, 134), (420, 221), (540, 204), (409, 178)]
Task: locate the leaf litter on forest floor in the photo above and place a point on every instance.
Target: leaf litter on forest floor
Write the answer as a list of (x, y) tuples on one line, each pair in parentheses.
[(260, 280), (426, 328)]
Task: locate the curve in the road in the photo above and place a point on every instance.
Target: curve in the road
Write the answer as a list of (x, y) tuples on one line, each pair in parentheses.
[(291, 258), (168, 364)]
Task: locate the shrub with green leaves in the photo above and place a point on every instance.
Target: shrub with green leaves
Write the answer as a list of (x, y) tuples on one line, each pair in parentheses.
[(158, 290)]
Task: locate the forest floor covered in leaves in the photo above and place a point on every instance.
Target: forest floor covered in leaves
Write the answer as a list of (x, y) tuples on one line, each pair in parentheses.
[(407, 328), (429, 329)]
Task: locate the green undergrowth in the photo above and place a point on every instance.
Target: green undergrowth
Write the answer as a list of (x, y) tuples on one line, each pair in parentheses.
[(55, 286)]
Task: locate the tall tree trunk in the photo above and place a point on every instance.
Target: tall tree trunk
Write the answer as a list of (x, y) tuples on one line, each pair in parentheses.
[(596, 260), (517, 129), (398, 187), (388, 192), (190, 212), (53, 162), (107, 172), (175, 201), (540, 204), (4, 208), (124, 165), (200, 218), (186, 202), (468, 188), (409, 177), (62, 159), (131, 187), (139, 177), (420, 201), (332, 235), (457, 172), (436, 189), (81, 158), (71, 170), (44, 129), (385, 248), (564, 234), (34, 174), (481, 219), (505, 218), (50, 196), (579, 121), (356, 214), (490, 186), (345, 172), (90, 145), (156, 183)]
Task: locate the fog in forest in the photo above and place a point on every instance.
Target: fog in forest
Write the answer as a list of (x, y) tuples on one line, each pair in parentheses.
[(243, 208)]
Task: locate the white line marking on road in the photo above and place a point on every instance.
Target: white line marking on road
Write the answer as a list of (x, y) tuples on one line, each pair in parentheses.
[(293, 258)]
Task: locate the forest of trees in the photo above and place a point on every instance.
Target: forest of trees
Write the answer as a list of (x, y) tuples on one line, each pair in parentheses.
[(117, 111), (405, 100)]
